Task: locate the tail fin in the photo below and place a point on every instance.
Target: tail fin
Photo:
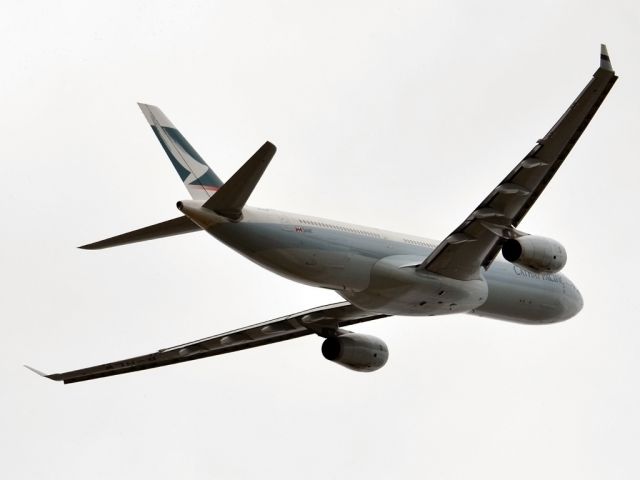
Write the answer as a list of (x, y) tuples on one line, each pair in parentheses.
[(196, 175)]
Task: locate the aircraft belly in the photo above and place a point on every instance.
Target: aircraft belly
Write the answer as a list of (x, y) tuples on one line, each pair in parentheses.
[(312, 261), (319, 268), (397, 288)]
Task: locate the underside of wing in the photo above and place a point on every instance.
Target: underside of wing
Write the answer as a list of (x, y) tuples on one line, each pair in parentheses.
[(476, 242), (324, 321)]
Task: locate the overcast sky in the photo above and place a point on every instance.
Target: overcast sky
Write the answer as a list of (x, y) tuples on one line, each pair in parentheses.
[(399, 115)]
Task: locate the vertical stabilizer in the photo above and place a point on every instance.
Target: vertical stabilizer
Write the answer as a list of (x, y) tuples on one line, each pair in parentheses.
[(197, 176)]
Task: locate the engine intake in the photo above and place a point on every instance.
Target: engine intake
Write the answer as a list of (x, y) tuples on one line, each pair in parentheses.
[(362, 353), (537, 254)]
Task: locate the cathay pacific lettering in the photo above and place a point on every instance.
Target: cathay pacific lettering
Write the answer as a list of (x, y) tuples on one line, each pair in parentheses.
[(521, 272)]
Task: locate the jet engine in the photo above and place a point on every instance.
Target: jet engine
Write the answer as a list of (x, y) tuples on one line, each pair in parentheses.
[(362, 353), (537, 254)]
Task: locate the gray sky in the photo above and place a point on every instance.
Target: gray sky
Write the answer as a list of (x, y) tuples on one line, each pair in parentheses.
[(399, 115)]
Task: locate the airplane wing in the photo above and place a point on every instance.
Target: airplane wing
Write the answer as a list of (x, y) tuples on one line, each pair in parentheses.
[(323, 321), (477, 241)]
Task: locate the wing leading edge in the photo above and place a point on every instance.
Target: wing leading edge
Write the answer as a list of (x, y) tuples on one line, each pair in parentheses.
[(321, 320), (477, 241)]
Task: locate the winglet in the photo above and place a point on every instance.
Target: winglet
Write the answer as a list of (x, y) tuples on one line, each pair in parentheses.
[(54, 376), (605, 62), (36, 371)]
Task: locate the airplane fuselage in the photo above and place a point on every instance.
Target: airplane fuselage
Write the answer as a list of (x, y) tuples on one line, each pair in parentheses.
[(375, 269)]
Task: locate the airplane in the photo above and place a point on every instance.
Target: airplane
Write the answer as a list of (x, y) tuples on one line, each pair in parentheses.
[(378, 273)]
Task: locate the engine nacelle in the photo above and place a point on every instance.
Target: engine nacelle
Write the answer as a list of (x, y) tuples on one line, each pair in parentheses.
[(362, 353), (537, 254)]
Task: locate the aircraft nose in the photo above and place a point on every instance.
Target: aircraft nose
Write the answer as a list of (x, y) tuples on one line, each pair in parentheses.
[(578, 301), (574, 302), (571, 301)]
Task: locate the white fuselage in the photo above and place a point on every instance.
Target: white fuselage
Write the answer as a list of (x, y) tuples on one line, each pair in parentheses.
[(375, 269)]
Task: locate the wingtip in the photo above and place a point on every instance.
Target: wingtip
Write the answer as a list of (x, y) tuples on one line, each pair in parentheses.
[(605, 61), (35, 370), (56, 377)]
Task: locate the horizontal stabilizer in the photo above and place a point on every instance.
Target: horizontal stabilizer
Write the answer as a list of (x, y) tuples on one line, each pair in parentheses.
[(176, 226), (233, 195)]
